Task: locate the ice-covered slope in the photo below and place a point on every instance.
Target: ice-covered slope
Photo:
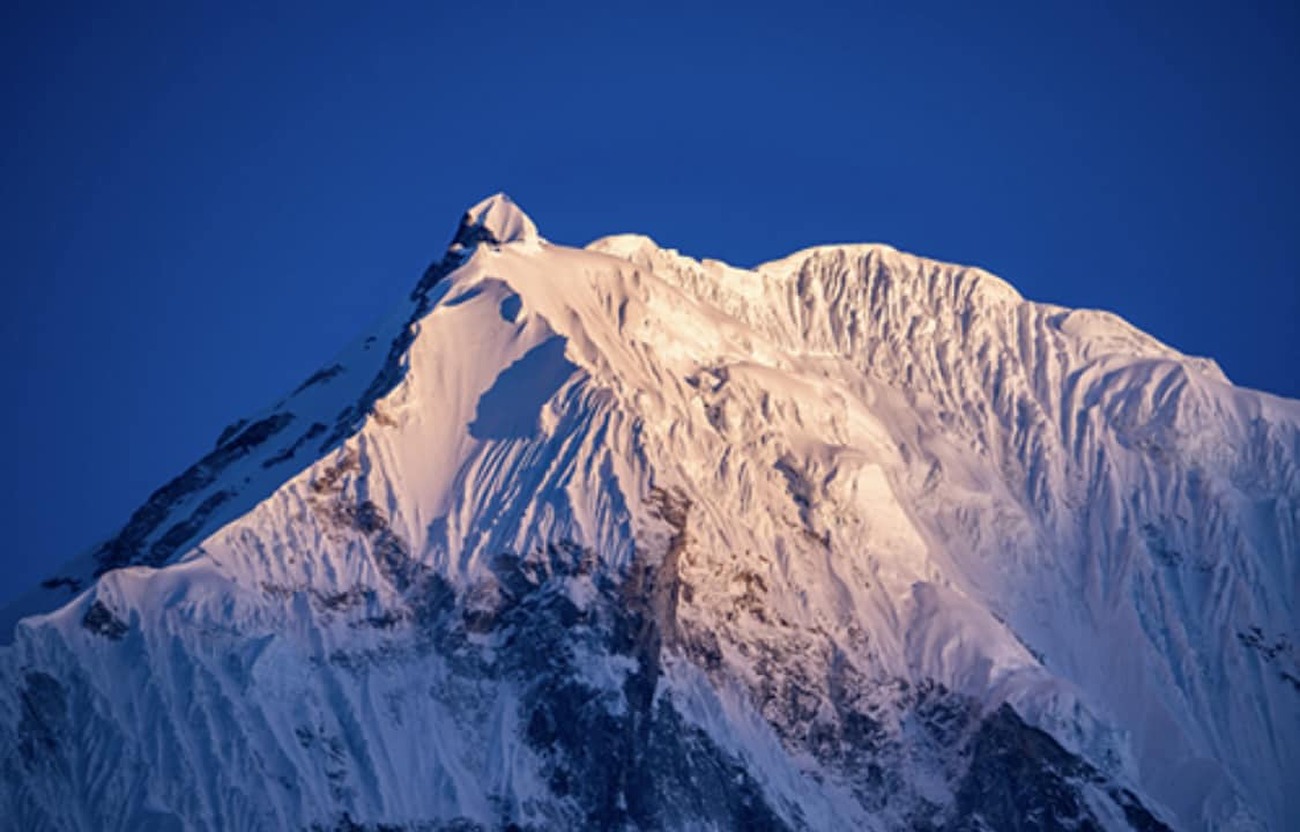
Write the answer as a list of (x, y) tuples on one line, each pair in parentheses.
[(612, 538)]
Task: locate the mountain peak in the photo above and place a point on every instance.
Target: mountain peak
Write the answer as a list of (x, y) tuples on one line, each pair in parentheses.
[(497, 220), (768, 531)]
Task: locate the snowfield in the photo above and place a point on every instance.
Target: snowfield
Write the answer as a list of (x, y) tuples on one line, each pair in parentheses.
[(613, 538)]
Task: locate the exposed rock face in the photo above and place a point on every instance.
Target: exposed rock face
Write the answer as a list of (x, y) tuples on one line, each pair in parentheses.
[(614, 539)]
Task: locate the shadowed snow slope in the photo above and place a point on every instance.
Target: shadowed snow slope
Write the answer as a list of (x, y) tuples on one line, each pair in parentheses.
[(613, 538)]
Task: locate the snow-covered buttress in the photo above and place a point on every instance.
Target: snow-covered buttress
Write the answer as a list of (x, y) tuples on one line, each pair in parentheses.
[(613, 538)]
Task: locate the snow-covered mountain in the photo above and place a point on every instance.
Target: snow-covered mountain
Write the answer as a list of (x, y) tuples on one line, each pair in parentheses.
[(611, 538)]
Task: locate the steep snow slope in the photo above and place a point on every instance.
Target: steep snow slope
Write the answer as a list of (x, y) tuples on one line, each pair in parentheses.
[(615, 538)]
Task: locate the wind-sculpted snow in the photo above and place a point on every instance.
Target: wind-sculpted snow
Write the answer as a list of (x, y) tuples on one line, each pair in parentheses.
[(612, 538)]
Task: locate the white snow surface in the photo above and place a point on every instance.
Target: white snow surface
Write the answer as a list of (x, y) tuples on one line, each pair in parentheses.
[(891, 460)]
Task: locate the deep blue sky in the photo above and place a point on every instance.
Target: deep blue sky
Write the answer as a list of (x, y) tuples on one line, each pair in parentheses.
[(203, 201)]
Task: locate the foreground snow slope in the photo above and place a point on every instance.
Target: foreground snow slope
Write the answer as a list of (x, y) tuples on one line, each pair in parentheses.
[(613, 538)]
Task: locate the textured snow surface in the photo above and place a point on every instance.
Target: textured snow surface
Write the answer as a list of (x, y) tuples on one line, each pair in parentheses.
[(614, 537)]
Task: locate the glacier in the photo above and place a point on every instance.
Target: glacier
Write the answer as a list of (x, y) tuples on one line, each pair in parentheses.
[(610, 537)]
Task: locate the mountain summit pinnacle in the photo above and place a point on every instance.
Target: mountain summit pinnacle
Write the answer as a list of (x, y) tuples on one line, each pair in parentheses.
[(497, 220)]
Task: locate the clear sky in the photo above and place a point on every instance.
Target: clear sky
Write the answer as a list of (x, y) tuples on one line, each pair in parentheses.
[(202, 201)]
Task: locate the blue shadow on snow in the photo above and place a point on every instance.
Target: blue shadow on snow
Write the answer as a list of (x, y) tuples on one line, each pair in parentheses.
[(510, 407)]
